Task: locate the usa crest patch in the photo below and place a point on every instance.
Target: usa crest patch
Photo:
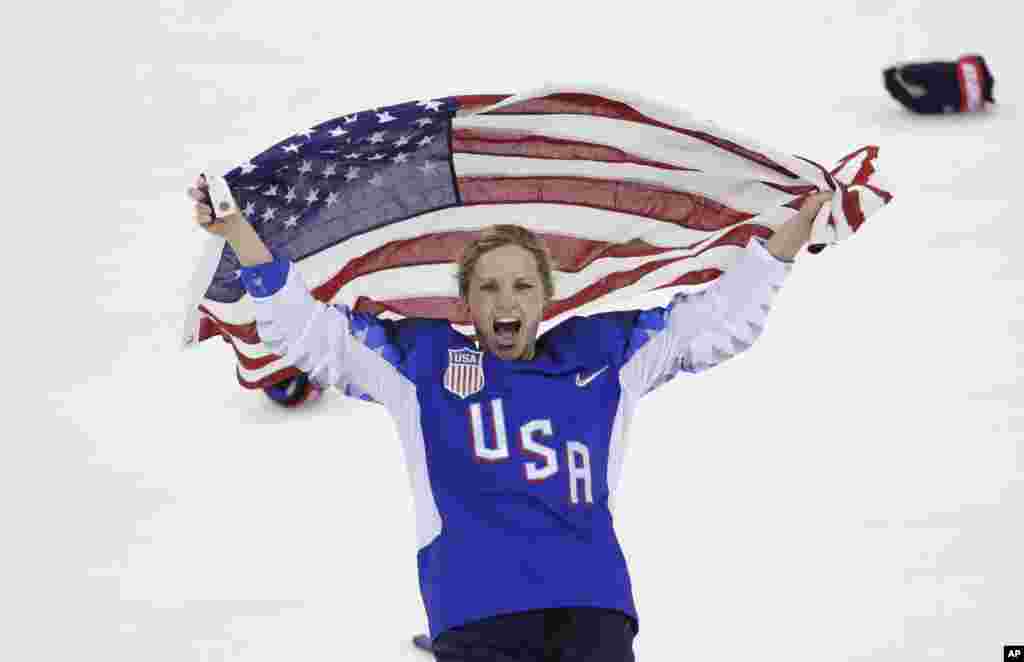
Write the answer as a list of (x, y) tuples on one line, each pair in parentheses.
[(465, 373)]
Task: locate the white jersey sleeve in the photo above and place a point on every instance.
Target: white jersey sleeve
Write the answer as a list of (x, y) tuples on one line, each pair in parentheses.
[(698, 331), (327, 342)]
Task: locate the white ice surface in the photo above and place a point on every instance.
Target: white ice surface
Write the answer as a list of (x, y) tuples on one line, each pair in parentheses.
[(850, 489)]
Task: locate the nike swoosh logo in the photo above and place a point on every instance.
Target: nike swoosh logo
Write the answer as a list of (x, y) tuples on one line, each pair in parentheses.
[(915, 91), (582, 381)]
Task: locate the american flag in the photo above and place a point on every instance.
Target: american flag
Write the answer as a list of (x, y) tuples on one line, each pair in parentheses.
[(630, 195)]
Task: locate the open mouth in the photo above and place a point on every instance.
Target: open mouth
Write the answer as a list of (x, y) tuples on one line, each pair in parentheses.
[(506, 331)]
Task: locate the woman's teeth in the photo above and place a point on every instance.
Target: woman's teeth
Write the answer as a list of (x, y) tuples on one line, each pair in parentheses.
[(506, 324), (506, 329)]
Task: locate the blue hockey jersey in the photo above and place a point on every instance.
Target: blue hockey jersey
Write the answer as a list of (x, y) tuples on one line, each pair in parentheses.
[(514, 464)]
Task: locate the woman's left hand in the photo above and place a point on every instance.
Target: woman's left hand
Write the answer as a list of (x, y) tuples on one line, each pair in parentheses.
[(794, 233)]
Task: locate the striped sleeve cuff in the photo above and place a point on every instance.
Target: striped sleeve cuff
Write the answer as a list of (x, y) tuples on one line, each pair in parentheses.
[(264, 280)]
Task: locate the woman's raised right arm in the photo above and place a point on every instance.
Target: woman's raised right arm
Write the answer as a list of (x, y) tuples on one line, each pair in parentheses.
[(331, 344)]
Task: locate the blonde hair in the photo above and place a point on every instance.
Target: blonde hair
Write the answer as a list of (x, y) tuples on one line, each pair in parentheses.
[(497, 236)]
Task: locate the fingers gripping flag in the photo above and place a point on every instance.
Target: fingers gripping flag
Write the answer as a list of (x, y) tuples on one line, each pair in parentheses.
[(631, 196)]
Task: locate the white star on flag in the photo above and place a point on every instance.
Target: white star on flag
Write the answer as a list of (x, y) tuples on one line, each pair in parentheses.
[(353, 155), (377, 137), (338, 132), (250, 209), (352, 173), (429, 105), (350, 118), (331, 169), (332, 198), (271, 191), (425, 140), (269, 213), (401, 142), (385, 117), (401, 157), (423, 121), (292, 148), (428, 167), (307, 133), (292, 221), (377, 157), (307, 166), (291, 194), (247, 168), (313, 195), (377, 180)]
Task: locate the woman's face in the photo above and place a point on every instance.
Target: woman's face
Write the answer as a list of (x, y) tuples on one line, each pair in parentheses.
[(506, 301)]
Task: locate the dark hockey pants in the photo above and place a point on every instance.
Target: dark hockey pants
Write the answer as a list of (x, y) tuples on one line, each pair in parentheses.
[(579, 634)]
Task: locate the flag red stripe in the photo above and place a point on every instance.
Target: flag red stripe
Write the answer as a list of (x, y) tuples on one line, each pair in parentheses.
[(867, 167), (250, 363), (207, 329), (469, 102), (244, 332), (852, 209), (801, 190), (684, 209), (694, 278)]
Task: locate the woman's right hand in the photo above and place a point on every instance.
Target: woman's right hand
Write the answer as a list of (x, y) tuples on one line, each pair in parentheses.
[(247, 245), (202, 212)]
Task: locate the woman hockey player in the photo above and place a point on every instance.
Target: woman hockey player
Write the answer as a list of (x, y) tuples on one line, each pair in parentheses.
[(514, 442)]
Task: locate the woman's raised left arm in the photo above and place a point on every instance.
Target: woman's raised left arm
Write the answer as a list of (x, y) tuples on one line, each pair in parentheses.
[(704, 329)]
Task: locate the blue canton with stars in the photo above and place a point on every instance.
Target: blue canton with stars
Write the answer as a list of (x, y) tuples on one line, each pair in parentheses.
[(341, 178)]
